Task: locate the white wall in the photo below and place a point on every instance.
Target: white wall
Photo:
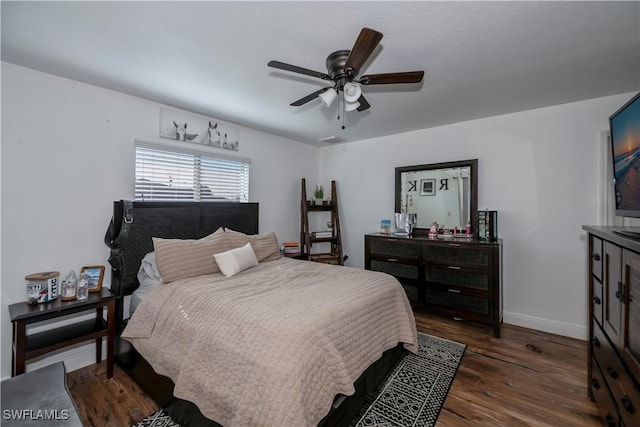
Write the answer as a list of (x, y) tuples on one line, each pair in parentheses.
[(537, 168), (67, 154)]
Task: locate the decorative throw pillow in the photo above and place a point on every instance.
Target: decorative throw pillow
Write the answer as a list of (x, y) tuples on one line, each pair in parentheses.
[(179, 259), (218, 232), (236, 260), (265, 246)]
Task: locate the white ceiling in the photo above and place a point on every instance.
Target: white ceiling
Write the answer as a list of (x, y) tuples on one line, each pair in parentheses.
[(480, 58)]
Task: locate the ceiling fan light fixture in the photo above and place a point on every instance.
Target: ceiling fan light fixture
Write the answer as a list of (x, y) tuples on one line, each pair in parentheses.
[(352, 92), (328, 97), (350, 106)]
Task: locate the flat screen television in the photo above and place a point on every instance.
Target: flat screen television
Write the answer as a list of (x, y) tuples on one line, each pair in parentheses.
[(625, 143)]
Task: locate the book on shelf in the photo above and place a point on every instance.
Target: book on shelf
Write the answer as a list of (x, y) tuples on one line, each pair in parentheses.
[(322, 234), (291, 247)]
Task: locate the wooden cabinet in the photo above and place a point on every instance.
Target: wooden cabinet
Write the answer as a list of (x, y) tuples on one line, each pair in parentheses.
[(614, 329), (458, 277)]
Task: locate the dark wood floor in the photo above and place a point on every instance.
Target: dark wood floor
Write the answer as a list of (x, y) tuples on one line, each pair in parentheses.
[(525, 378)]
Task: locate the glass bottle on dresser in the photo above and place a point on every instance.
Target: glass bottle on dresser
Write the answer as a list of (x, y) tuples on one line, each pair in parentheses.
[(83, 287)]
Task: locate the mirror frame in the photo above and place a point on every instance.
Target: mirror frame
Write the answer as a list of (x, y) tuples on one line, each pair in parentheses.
[(473, 205)]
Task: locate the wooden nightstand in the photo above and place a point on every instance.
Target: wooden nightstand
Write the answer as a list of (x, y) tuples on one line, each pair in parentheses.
[(26, 347)]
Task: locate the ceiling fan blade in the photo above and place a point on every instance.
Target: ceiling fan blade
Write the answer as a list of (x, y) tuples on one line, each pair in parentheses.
[(362, 49), (364, 105), (296, 69), (391, 78), (308, 98)]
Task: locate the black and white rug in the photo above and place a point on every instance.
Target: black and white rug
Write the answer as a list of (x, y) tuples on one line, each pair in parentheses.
[(414, 392), (159, 419), (411, 396)]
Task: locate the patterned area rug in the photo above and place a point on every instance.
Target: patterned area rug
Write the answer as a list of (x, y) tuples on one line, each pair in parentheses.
[(411, 396), (159, 419)]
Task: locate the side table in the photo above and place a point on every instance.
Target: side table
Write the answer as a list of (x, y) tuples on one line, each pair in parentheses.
[(26, 347)]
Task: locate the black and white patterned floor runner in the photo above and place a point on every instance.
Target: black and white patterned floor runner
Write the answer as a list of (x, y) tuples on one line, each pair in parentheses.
[(415, 391)]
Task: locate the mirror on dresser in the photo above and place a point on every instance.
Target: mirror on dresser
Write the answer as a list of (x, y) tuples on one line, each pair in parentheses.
[(446, 193)]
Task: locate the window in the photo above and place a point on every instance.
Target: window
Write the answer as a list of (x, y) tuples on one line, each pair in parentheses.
[(164, 174)]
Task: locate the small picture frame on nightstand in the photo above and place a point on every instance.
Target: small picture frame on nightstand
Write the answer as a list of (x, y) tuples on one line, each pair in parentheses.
[(96, 273)]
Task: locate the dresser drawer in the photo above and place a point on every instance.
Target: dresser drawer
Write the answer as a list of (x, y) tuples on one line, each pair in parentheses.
[(460, 277), (596, 301), (395, 248), (395, 268), (627, 397), (596, 258), (457, 255), (606, 356), (457, 302), (602, 396)]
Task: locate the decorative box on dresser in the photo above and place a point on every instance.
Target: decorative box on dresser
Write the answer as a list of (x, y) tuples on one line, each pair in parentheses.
[(614, 326), (461, 277)]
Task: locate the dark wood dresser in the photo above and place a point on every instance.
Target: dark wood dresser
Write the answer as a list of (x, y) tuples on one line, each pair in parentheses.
[(461, 277), (614, 326)]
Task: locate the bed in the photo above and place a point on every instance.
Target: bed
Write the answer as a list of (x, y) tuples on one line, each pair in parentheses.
[(283, 342)]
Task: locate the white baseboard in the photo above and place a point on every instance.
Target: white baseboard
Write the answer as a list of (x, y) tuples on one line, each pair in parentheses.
[(553, 327)]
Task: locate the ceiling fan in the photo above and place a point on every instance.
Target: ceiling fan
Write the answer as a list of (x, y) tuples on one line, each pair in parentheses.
[(343, 67)]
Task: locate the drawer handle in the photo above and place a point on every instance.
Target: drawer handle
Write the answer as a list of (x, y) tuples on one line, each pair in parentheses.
[(596, 300), (596, 342), (596, 257), (455, 291), (595, 384), (610, 421), (454, 244), (612, 372), (626, 402), (392, 260), (454, 267)]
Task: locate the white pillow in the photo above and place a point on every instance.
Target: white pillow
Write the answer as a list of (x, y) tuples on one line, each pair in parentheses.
[(236, 260), (150, 267)]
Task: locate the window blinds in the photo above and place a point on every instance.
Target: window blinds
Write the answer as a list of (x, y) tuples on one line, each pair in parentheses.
[(164, 174)]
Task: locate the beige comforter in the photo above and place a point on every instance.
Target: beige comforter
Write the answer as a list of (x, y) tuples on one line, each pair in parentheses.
[(273, 345)]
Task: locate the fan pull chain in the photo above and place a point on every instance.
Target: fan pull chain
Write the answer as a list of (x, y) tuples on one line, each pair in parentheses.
[(342, 104)]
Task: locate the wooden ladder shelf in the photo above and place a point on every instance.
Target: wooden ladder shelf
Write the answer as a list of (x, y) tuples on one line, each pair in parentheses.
[(307, 239)]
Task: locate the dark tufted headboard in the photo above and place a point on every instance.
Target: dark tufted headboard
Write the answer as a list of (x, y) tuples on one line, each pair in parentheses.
[(134, 224)]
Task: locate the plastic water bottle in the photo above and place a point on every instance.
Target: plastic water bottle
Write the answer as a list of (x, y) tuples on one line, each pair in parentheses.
[(83, 287)]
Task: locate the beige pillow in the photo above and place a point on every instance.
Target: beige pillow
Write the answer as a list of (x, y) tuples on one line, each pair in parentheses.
[(179, 259), (218, 232), (236, 260), (265, 246)]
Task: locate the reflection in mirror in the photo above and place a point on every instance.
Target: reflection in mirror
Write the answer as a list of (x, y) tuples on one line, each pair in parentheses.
[(441, 192)]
